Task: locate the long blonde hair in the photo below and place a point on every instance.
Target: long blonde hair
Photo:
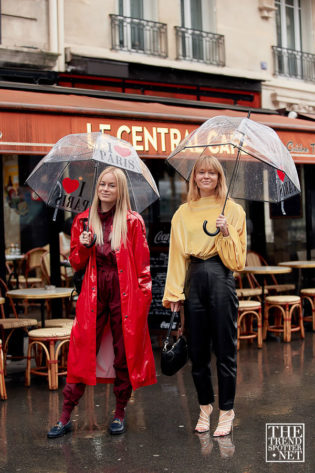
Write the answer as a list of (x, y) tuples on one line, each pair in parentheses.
[(209, 162), (119, 233)]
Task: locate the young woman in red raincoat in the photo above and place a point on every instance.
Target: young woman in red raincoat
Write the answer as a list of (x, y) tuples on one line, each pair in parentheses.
[(110, 341)]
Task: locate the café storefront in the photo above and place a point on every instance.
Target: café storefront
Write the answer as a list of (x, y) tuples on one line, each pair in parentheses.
[(31, 122)]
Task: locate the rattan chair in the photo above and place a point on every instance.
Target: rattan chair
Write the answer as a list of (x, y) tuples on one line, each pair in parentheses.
[(255, 259), (32, 276), (3, 391), (247, 311), (8, 325), (287, 308), (53, 343), (308, 294)]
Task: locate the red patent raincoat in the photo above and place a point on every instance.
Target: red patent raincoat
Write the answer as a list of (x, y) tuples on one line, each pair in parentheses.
[(133, 264)]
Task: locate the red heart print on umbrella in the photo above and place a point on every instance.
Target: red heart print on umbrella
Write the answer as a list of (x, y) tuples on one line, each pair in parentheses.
[(281, 175), (122, 150), (70, 185)]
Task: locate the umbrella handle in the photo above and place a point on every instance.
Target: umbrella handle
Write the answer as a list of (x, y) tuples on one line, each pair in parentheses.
[(206, 231), (92, 242), (85, 228)]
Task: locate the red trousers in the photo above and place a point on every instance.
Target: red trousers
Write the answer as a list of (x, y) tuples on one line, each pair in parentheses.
[(108, 307)]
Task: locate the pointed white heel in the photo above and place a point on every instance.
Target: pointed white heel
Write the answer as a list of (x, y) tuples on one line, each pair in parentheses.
[(203, 424), (225, 424)]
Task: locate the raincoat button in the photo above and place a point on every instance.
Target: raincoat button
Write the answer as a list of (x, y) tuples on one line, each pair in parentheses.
[(120, 270), (126, 316), (124, 293)]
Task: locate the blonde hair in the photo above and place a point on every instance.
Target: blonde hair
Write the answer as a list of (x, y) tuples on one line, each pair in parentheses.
[(209, 162), (119, 233)]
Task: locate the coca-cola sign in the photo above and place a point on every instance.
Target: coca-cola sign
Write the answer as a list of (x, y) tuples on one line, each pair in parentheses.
[(161, 238)]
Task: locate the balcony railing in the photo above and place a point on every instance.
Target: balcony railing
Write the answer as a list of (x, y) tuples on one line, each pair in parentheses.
[(295, 64), (200, 46), (139, 36)]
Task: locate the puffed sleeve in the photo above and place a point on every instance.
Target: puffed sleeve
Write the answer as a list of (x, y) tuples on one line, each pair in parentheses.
[(177, 264), (232, 249), (79, 254), (142, 256)]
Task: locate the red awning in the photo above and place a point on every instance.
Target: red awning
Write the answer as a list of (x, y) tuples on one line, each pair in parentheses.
[(31, 122)]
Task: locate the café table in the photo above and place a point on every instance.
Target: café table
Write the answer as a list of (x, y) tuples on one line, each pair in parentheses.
[(299, 265), (15, 260), (42, 294), (264, 270)]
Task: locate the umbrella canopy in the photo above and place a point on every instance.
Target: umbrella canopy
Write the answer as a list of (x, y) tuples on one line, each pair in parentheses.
[(256, 163), (66, 177)]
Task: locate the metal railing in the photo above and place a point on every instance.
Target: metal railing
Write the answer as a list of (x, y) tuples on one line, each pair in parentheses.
[(295, 64), (138, 36), (200, 46)]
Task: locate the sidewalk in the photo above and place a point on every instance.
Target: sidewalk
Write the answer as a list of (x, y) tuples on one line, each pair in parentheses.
[(275, 385)]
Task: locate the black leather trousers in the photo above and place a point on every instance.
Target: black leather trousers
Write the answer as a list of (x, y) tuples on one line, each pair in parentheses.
[(211, 321)]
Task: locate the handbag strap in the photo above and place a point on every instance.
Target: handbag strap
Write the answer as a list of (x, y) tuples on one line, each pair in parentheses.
[(168, 334)]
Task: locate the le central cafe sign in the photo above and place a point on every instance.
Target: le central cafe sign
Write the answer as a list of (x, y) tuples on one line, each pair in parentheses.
[(147, 140), (36, 133)]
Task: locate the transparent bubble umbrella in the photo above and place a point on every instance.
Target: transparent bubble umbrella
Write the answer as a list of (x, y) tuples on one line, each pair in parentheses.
[(256, 163), (66, 177)]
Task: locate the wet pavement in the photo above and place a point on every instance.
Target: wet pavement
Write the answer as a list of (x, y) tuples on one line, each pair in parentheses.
[(275, 385)]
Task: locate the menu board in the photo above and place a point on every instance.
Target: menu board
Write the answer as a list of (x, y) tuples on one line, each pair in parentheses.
[(159, 244)]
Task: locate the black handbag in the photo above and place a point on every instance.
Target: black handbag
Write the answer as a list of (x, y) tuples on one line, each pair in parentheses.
[(173, 357), (78, 280)]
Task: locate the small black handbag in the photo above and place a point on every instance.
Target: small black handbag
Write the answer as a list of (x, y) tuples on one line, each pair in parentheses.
[(173, 357)]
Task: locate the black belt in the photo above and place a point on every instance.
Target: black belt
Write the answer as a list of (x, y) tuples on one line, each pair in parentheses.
[(215, 258)]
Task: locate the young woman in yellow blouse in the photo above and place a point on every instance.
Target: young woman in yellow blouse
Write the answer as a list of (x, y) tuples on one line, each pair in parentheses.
[(200, 276)]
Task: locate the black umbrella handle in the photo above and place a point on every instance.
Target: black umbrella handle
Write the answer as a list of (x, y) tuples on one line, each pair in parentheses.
[(206, 231), (204, 226), (86, 228)]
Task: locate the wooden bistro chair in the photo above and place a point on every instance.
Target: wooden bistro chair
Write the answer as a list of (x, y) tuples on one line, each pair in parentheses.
[(255, 259), (308, 294), (247, 293), (3, 392), (65, 273), (30, 269), (287, 309), (8, 325), (32, 276), (247, 311), (45, 265), (54, 342)]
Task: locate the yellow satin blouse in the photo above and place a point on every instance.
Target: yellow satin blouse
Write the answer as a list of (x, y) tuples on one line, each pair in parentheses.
[(188, 239)]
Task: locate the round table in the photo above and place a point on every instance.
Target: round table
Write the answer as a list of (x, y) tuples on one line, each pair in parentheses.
[(299, 265), (262, 270), (42, 294)]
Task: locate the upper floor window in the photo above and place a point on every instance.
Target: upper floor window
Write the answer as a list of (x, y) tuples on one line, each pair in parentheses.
[(288, 21), (134, 9), (293, 23), (135, 29), (196, 40)]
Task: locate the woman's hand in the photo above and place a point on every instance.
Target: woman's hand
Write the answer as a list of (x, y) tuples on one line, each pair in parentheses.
[(222, 224), (85, 238), (175, 306)]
